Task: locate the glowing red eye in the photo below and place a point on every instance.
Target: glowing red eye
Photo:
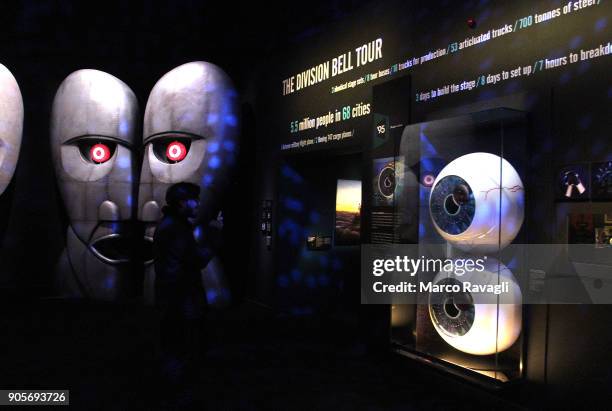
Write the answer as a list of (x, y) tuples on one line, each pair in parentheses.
[(100, 153), (176, 151)]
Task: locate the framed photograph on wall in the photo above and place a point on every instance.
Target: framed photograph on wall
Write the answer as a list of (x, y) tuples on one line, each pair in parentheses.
[(573, 182), (348, 213)]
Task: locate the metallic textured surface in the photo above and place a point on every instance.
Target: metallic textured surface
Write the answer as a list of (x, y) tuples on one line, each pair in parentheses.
[(11, 126), (151, 212), (195, 102), (108, 211), (91, 106)]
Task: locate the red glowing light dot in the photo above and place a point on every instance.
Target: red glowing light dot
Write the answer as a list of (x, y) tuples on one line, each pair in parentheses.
[(100, 153), (176, 151), (428, 180)]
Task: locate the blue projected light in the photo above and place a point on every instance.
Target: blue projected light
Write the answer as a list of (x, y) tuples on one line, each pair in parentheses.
[(601, 24), (575, 42), (207, 179), (291, 174), (291, 230), (283, 281), (186, 117), (210, 87), (565, 78), (214, 162), (294, 204), (427, 149), (124, 127), (421, 230), (296, 275), (212, 118), (124, 162), (486, 64), (213, 147), (512, 87), (584, 66), (311, 281), (197, 233), (231, 120), (487, 95), (211, 296), (314, 217), (513, 264), (109, 282), (485, 14)]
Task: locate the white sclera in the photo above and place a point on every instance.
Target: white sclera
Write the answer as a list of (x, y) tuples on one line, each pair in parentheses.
[(496, 320), (498, 203)]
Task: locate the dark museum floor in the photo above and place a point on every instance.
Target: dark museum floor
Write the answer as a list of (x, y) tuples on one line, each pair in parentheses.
[(105, 355)]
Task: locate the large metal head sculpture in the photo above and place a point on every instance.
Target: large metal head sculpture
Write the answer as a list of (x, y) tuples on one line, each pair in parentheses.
[(92, 141), (11, 126), (189, 134)]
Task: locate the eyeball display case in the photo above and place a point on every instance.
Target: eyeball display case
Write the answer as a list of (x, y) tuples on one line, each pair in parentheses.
[(465, 176)]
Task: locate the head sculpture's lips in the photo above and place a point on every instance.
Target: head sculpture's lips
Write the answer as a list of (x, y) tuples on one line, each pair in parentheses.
[(119, 249), (112, 249)]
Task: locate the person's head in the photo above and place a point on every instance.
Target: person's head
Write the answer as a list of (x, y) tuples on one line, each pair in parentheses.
[(184, 199)]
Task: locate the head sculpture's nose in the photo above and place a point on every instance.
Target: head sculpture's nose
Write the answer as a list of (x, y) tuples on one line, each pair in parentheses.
[(150, 212)]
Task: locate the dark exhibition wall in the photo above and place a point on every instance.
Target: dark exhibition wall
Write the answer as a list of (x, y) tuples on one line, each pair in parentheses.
[(323, 136), (426, 33), (318, 106), (137, 43)]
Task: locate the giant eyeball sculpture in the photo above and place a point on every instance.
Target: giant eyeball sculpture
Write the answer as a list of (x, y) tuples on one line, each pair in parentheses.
[(473, 321), (476, 203)]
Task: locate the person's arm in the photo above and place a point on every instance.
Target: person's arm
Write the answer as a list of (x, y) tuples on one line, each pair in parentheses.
[(171, 252), (208, 240), (201, 250)]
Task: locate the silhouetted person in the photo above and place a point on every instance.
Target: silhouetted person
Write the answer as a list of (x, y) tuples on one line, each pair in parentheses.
[(179, 294)]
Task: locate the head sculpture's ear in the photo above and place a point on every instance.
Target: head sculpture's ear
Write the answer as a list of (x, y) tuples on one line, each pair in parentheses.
[(11, 118)]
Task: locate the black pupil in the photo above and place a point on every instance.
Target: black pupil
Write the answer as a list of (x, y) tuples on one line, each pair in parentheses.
[(451, 308)]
